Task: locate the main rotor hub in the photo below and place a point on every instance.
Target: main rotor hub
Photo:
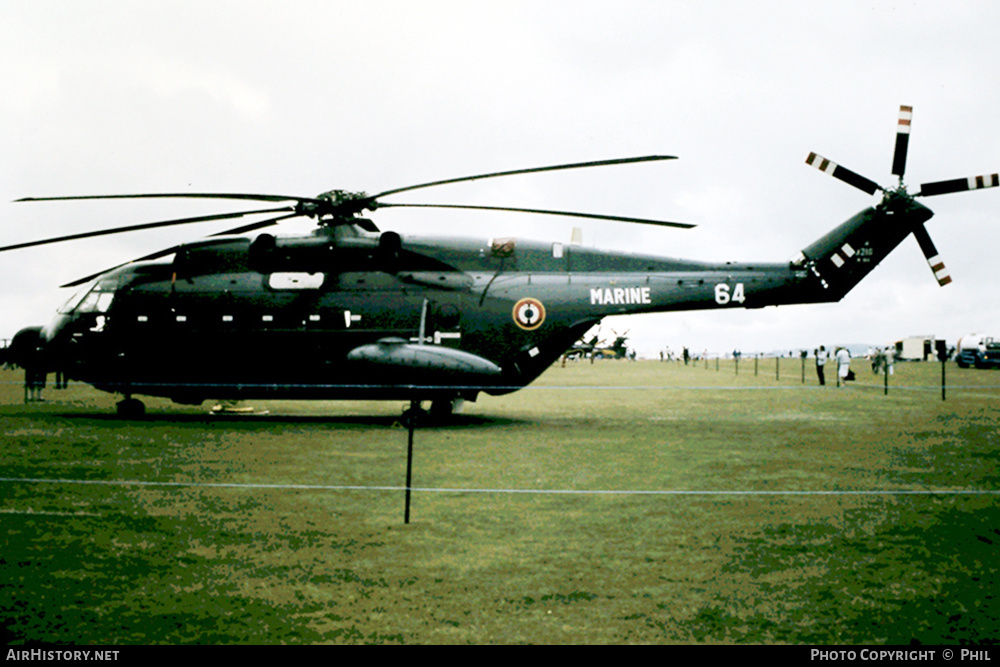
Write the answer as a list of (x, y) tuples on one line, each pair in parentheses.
[(896, 195), (335, 206)]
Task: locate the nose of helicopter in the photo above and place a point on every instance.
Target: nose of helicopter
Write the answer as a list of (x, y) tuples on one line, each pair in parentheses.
[(27, 348)]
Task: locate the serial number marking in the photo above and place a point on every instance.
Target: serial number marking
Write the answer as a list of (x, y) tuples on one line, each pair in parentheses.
[(724, 294), (619, 295)]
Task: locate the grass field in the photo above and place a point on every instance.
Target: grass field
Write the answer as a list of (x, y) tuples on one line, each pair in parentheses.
[(655, 503)]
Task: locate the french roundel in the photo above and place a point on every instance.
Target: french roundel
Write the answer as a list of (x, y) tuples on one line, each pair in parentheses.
[(529, 313)]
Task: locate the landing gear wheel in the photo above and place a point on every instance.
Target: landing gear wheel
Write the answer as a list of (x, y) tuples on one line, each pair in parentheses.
[(443, 408), (131, 408)]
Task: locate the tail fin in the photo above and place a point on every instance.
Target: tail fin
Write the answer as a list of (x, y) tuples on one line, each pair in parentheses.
[(843, 257)]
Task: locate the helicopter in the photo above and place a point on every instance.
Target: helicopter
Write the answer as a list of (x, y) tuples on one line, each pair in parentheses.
[(594, 347), (349, 311), (616, 350), (583, 348)]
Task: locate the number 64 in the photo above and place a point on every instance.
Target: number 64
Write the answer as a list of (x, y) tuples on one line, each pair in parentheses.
[(723, 295)]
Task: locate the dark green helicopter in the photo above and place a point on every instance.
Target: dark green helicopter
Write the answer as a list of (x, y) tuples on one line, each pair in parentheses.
[(349, 312)]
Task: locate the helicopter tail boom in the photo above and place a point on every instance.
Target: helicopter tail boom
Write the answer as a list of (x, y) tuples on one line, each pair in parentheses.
[(825, 271), (840, 259)]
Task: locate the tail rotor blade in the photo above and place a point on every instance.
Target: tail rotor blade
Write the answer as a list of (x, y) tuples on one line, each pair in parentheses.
[(931, 253), (842, 173), (902, 141), (959, 185)]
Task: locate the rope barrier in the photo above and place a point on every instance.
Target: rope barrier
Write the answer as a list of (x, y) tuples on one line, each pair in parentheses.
[(581, 492)]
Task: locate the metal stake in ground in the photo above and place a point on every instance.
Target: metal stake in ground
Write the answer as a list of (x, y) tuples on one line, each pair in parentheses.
[(943, 356), (414, 414), (412, 425)]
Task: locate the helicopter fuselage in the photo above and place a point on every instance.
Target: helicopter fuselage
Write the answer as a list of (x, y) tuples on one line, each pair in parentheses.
[(366, 316), (348, 312)]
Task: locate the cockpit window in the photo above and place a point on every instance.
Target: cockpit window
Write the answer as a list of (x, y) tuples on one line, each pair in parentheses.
[(75, 300), (94, 298), (96, 302)]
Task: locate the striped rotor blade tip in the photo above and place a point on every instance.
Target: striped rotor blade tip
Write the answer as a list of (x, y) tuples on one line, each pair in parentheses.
[(821, 163), (905, 117), (984, 181), (931, 254), (938, 268)]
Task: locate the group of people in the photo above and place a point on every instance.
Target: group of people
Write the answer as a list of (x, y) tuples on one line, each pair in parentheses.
[(841, 356), (35, 380), (667, 354)]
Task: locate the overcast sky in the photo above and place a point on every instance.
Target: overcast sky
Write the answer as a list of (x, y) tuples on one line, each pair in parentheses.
[(297, 97)]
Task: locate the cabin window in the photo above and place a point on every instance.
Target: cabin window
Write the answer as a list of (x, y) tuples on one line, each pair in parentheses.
[(295, 281)]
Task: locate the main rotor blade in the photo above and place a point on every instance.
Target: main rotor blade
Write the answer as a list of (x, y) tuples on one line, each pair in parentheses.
[(576, 165), (842, 173), (178, 195), (253, 226), (148, 225), (571, 214), (902, 140), (959, 185), (169, 251), (156, 255), (931, 253)]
